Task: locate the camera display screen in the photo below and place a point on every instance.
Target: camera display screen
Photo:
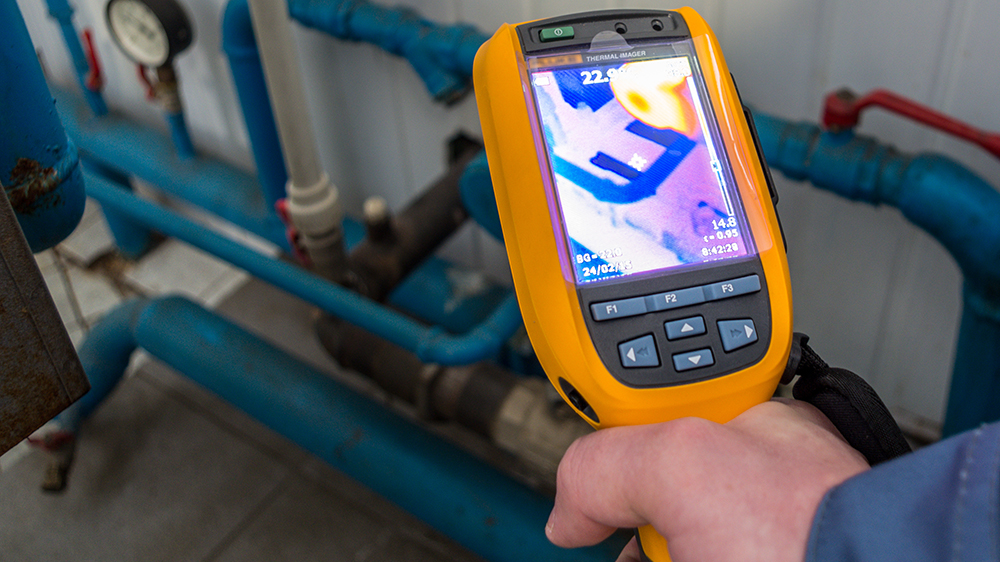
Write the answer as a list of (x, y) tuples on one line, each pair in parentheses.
[(642, 180)]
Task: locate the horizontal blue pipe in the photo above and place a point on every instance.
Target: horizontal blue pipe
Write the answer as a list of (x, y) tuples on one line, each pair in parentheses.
[(457, 494), (48, 198), (441, 55), (430, 344), (955, 206), (62, 12), (240, 46), (444, 294), (952, 204), (120, 144)]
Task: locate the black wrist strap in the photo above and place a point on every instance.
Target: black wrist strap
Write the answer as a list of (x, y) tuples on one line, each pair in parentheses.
[(848, 401)]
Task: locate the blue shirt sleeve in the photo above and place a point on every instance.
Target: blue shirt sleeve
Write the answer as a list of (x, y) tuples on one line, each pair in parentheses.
[(938, 504)]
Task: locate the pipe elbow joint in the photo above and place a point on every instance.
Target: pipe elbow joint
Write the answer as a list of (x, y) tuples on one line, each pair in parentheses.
[(960, 210)]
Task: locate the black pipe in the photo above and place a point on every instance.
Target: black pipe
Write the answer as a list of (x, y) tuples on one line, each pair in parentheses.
[(383, 259), (470, 395)]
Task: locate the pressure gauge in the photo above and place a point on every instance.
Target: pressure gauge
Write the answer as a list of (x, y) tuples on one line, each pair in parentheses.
[(150, 32)]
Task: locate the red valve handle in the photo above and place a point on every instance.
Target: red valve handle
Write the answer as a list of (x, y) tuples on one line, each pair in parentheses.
[(842, 110), (94, 80), (147, 84)]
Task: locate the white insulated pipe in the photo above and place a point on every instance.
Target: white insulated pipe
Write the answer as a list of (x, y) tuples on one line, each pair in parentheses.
[(272, 26), (313, 202)]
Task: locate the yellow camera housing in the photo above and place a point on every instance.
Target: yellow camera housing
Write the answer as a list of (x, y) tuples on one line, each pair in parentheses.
[(653, 286), (537, 246)]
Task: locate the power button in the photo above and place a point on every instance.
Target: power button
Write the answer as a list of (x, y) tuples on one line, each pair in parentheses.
[(555, 33)]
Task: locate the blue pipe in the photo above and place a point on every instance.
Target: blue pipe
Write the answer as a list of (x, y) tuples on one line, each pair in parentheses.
[(441, 55), (38, 164), (179, 135), (104, 354), (132, 238), (432, 345), (120, 144), (240, 46), (477, 195), (952, 204), (443, 294), (62, 12), (452, 491)]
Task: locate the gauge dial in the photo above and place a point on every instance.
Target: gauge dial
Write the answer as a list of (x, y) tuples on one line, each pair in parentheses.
[(150, 32)]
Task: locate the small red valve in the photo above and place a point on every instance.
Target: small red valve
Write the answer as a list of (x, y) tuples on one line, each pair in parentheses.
[(292, 233), (842, 110)]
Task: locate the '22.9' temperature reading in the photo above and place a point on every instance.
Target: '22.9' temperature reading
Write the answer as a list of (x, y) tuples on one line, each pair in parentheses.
[(598, 77)]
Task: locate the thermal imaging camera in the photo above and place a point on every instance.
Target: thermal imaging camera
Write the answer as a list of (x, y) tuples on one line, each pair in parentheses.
[(638, 216)]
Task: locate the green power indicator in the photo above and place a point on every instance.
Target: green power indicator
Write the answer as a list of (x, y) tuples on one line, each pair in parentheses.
[(556, 33)]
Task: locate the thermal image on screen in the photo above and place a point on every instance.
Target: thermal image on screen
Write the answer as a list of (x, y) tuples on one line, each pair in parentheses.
[(639, 181)]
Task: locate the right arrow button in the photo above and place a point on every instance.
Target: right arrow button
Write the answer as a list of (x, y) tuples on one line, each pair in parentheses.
[(737, 333)]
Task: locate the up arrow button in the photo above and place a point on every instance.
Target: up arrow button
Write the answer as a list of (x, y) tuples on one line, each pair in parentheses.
[(685, 328)]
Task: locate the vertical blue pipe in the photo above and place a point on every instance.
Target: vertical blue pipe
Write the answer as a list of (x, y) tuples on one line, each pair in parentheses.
[(179, 135), (38, 165), (974, 397), (132, 238), (477, 195), (62, 12), (240, 46)]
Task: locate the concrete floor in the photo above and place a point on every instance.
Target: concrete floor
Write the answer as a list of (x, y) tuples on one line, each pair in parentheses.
[(166, 471)]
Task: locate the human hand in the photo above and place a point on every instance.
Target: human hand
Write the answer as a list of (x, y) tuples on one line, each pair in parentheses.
[(745, 490)]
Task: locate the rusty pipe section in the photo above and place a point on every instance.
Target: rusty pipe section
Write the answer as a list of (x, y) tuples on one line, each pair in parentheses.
[(395, 245), (517, 414), (39, 168)]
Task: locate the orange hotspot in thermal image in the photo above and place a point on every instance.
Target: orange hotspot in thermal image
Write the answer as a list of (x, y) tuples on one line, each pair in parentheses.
[(655, 92)]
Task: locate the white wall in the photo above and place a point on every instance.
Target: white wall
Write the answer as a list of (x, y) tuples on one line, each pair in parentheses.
[(876, 295)]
